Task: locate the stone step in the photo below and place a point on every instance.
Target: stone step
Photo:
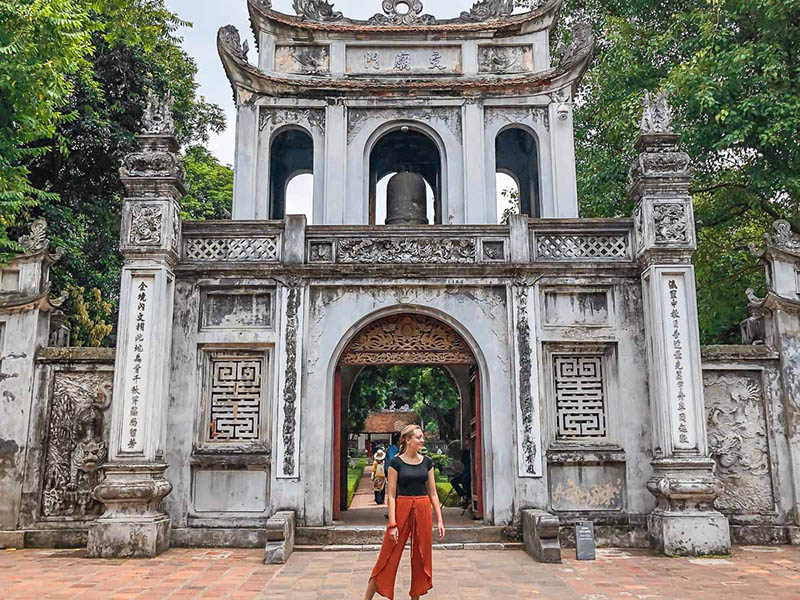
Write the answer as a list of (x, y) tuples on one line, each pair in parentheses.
[(341, 535), (377, 547)]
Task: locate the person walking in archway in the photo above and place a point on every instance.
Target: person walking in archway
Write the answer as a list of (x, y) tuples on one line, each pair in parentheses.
[(411, 494)]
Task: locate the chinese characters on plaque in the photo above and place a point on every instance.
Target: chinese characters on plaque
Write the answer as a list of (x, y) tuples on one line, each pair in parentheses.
[(418, 60)]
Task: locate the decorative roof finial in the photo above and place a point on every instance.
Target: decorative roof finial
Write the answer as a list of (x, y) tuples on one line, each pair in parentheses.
[(784, 238), (37, 238), (656, 114), (402, 12), (157, 118), (485, 10), (316, 10)]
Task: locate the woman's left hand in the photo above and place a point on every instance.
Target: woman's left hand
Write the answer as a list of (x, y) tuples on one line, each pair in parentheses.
[(441, 530)]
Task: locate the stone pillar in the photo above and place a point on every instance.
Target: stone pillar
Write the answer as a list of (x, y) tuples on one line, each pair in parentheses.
[(25, 308), (776, 319), (684, 521), (133, 524)]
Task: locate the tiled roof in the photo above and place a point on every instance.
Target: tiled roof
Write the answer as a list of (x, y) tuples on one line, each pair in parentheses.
[(389, 421)]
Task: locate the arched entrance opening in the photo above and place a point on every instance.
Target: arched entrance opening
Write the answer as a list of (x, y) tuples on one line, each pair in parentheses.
[(517, 157), (427, 357), (405, 149), (291, 154)]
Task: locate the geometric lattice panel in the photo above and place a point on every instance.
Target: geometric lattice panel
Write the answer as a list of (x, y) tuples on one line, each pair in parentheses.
[(569, 246), (235, 403), (233, 249), (580, 400)]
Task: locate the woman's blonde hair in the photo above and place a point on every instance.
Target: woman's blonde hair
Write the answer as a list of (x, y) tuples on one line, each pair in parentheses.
[(406, 433)]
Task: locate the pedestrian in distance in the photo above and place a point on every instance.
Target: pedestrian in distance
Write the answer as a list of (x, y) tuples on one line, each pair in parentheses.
[(379, 477), (412, 498)]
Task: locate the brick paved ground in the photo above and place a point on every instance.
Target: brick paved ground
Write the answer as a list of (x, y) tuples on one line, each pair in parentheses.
[(752, 572)]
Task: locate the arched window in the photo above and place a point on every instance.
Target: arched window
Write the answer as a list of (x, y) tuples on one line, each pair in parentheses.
[(518, 158), (404, 149), (291, 154)]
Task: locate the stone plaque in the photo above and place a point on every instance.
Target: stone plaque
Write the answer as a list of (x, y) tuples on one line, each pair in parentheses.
[(412, 60), (584, 541), (505, 59), (567, 308), (576, 487), (302, 59), (237, 309), (220, 490)]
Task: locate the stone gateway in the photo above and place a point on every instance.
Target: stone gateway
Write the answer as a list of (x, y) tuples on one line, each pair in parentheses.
[(220, 419)]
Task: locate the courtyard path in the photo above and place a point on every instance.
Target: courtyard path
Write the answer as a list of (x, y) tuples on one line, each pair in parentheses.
[(364, 496), (752, 572)]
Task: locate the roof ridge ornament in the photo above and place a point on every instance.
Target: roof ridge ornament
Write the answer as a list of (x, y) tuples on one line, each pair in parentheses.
[(656, 114), (229, 37), (402, 12), (316, 10), (487, 10)]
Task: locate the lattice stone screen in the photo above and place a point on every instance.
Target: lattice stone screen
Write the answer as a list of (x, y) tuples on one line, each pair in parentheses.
[(580, 396), (232, 249), (234, 404), (588, 246)]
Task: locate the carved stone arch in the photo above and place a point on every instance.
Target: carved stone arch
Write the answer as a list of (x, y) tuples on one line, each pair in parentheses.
[(410, 339)]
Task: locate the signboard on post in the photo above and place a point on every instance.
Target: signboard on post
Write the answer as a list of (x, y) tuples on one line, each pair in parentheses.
[(584, 540)]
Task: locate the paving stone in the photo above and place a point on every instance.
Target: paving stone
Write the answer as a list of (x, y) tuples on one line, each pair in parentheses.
[(751, 572)]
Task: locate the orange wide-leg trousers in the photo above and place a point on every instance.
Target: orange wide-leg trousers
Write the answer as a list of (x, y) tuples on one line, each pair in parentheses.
[(414, 519)]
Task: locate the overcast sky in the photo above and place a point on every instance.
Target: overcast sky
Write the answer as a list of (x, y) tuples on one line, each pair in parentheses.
[(200, 41)]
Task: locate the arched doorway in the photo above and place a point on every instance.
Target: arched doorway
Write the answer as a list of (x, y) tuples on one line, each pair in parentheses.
[(414, 340), (291, 154), (517, 157)]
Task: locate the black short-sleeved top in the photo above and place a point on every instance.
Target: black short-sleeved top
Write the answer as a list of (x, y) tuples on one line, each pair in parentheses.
[(411, 479)]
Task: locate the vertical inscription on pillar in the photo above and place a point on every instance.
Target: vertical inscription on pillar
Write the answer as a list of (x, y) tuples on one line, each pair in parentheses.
[(137, 365), (677, 336), (526, 406)]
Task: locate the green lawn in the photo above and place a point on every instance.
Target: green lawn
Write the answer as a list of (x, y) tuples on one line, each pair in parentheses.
[(354, 474), (443, 487)]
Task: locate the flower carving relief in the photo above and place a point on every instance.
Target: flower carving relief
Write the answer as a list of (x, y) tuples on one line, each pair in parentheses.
[(146, 222), (670, 223)]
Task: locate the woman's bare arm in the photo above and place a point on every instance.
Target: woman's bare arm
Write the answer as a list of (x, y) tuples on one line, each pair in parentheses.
[(391, 498), (437, 506)]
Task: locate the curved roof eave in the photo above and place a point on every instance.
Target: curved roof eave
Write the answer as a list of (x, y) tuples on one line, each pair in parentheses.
[(261, 16), (243, 75)]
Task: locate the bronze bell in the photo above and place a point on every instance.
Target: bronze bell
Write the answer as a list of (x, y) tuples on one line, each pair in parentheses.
[(406, 200)]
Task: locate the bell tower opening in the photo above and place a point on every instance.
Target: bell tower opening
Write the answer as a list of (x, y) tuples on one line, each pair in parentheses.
[(517, 156), (291, 154), (411, 163)]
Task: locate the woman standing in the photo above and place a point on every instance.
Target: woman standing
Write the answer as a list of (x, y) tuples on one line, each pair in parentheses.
[(412, 491)]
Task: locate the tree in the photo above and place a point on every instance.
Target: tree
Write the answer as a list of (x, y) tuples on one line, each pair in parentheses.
[(732, 72), (429, 391), (133, 49), (209, 186), (44, 48)]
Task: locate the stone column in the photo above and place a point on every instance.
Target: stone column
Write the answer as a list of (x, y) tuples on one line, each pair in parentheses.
[(25, 309), (775, 320), (684, 521), (133, 524)]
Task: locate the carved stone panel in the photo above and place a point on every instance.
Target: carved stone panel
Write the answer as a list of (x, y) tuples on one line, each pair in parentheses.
[(407, 339), (505, 59), (237, 309), (613, 246), (302, 59), (406, 251), (449, 116), (738, 440), (146, 224), (587, 487), (580, 396), (518, 115), (403, 61), (669, 221), (77, 443), (274, 117), (233, 249), (234, 396)]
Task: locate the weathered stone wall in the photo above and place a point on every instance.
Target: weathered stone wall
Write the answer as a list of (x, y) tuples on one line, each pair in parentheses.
[(67, 444), (749, 438)]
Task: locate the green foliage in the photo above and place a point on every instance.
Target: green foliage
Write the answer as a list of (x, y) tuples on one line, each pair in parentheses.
[(67, 165), (90, 324), (44, 45), (354, 474), (732, 71), (448, 499), (209, 184), (427, 390)]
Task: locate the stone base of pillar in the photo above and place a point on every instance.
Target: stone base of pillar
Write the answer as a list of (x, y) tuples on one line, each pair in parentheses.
[(133, 525), (129, 539), (685, 522), (690, 533)]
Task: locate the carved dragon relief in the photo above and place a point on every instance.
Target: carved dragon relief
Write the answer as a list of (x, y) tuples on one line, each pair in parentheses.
[(487, 10), (76, 446), (738, 442), (316, 10)]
